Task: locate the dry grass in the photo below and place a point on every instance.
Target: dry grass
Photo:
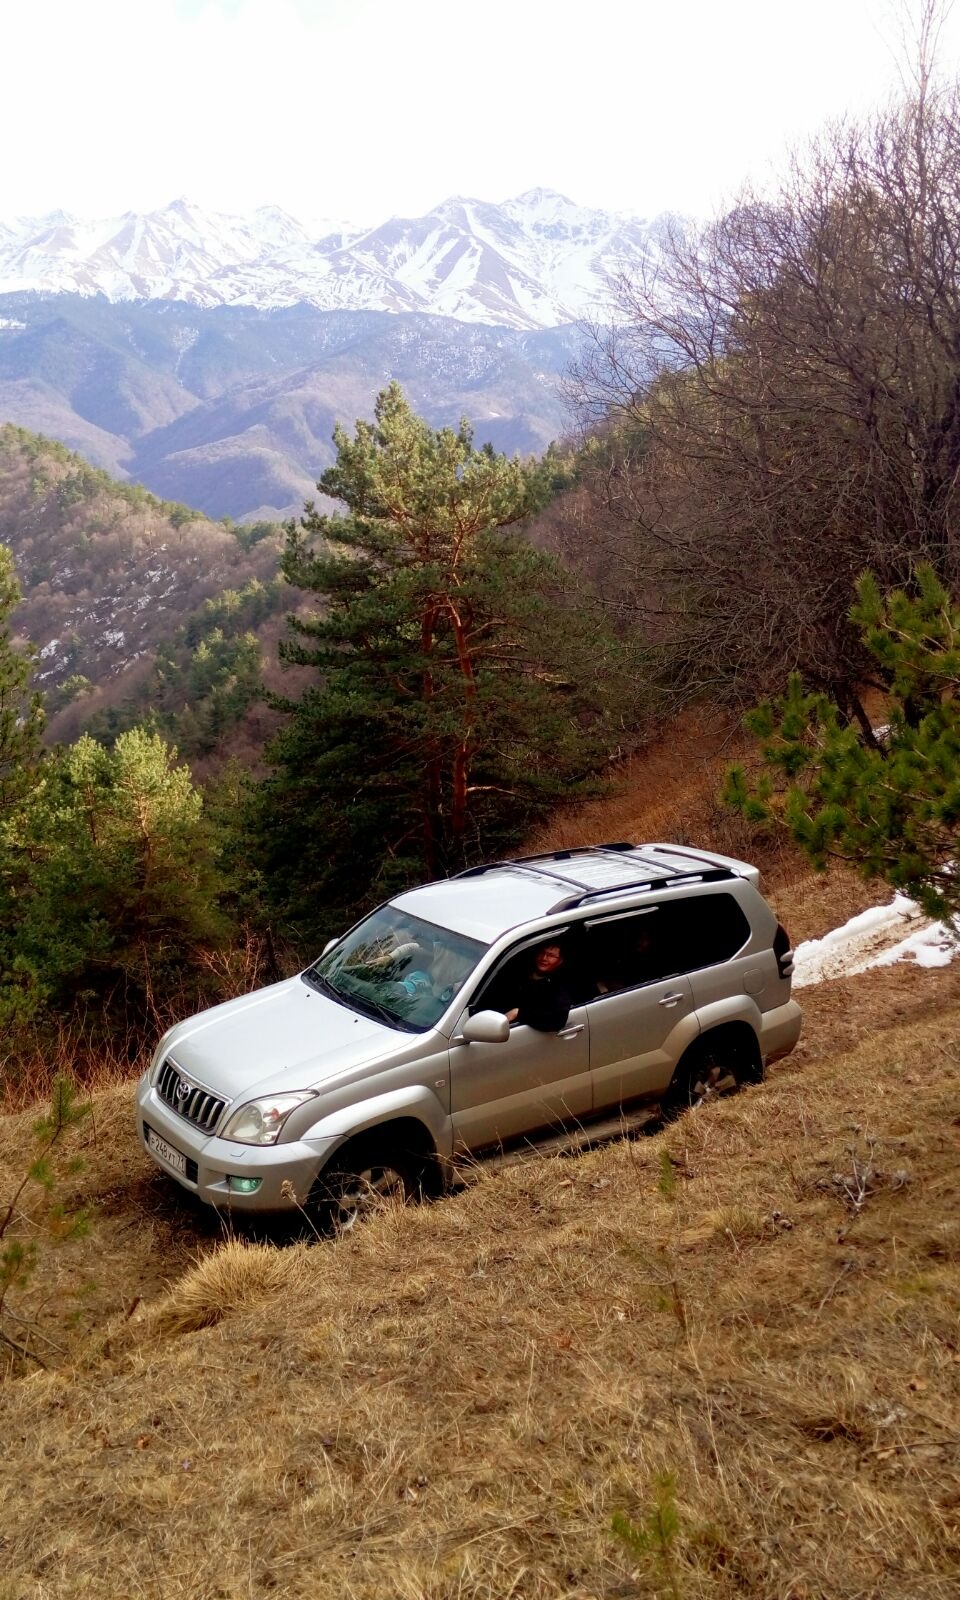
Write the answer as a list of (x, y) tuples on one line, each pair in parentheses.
[(761, 1300)]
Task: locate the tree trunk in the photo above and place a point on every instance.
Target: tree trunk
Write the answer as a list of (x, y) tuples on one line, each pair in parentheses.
[(430, 793), (464, 750)]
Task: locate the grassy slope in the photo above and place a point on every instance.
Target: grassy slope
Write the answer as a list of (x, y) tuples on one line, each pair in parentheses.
[(457, 1400)]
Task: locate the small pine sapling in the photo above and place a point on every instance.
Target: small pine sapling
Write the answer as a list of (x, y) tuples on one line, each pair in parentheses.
[(652, 1541), (53, 1221)]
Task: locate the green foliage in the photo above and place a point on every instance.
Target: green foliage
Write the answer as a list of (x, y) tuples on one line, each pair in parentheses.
[(21, 710), (253, 533), (455, 695), (203, 680), (652, 1541), (24, 1229), (65, 693), (889, 804), (81, 485), (112, 890)]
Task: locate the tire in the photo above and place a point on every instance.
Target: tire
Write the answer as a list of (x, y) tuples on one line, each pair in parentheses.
[(708, 1071), (364, 1181)]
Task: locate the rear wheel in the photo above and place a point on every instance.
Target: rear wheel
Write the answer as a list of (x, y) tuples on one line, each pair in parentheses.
[(711, 1069)]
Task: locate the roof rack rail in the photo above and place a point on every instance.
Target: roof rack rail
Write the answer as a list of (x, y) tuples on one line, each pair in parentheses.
[(533, 862), (712, 875), (583, 893), (524, 865), (533, 865), (578, 850)]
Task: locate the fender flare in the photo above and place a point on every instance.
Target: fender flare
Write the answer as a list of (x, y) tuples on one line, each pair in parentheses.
[(737, 1015), (735, 1008), (413, 1102)]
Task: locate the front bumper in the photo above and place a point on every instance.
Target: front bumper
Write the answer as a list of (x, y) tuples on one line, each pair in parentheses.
[(210, 1162), (780, 1030)]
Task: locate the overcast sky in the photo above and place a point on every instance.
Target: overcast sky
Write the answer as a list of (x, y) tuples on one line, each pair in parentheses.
[(358, 109)]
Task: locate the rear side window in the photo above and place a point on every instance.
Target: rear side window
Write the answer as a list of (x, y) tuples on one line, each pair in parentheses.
[(707, 929), (664, 940), (626, 951)]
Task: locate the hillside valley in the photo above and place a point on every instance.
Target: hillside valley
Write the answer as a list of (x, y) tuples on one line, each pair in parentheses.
[(233, 410), (209, 357)]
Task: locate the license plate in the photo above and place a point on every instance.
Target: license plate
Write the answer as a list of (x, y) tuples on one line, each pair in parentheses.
[(172, 1158)]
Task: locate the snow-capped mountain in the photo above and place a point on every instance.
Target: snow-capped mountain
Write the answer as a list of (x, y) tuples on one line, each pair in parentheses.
[(537, 260)]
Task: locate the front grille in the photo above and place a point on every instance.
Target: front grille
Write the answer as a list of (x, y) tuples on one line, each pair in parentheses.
[(188, 1099)]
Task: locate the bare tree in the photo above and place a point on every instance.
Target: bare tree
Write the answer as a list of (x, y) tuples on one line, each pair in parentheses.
[(786, 386)]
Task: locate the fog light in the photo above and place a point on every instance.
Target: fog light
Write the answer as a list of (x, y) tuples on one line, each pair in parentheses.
[(243, 1185)]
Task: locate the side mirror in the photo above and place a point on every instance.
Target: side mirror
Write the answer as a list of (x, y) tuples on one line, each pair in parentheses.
[(486, 1027), (328, 946)]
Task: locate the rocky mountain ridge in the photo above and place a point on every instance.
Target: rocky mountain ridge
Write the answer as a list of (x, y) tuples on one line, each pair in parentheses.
[(535, 261)]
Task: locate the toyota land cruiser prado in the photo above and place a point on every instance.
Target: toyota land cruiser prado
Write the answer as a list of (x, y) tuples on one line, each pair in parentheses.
[(393, 1055)]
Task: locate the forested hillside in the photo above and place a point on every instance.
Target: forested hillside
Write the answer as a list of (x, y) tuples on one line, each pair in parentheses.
[(438, 687), (134, 604)]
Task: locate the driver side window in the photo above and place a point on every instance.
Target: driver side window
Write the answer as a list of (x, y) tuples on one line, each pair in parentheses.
[(502, 988)]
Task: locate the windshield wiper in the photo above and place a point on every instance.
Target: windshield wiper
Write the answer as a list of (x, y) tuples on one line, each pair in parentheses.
[(324, 985), (392, 1020)]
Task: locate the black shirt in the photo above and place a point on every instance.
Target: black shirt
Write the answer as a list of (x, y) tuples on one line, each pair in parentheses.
[(543, 1001)]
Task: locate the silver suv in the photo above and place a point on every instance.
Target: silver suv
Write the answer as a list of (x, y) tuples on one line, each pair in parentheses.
[(512, 1003)]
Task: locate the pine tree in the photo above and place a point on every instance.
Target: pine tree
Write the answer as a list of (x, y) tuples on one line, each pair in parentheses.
[(889, 802), (122, 890), (453, 694), (21, 709), (21, 723)]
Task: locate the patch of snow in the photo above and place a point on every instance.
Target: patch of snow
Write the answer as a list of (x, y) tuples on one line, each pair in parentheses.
[(878, 937), (932, 946)]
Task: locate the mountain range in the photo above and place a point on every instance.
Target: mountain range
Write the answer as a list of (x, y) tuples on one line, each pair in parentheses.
[(537, 260), (209, 356)]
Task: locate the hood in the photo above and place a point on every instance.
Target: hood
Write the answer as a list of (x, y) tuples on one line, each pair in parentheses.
[(285, 1037)]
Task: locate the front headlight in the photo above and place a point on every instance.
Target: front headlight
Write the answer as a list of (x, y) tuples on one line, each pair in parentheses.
[(260, 1121)]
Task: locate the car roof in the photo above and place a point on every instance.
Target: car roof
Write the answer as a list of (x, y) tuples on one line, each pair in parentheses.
[(485, 902)]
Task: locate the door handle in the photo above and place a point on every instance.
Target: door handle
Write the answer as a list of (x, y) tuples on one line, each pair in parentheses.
[(671, 1000), (571, 1033)]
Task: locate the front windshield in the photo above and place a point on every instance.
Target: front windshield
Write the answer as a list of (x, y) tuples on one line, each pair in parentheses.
[(398, 968)]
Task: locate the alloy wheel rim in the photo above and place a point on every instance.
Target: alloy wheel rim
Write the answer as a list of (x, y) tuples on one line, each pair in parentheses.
[(714, 1081), (365, 1194)]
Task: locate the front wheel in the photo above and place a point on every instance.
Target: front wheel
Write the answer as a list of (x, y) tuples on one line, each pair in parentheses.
[(351, 1190)]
